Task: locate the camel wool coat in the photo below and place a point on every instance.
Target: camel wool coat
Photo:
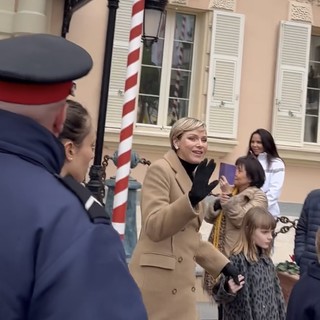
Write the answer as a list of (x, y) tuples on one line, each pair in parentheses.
[(163, 262)]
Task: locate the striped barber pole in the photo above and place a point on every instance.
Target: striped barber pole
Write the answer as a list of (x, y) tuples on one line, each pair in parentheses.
[(175, 110), (128, 119)]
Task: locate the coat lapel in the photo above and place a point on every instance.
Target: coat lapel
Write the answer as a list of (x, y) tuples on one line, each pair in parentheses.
[(181, 175)]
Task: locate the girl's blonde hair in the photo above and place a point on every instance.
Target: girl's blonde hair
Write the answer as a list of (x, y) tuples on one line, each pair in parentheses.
[(184, 125), (256, 217)]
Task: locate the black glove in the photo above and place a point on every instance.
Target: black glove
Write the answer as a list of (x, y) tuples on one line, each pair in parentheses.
[(201, 187), (230, 270)]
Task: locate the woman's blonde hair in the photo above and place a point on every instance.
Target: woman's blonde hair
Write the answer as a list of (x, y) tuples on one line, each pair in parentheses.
[(184, 125), (256, 217)]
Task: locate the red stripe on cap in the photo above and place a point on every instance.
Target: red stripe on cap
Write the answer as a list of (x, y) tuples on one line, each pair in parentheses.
[(33, 94)]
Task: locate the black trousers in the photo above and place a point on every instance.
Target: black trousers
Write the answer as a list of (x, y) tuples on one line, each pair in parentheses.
[(220, 312)]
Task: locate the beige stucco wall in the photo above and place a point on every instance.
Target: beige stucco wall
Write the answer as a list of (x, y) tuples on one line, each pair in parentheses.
[(262, 19), (88, 29)]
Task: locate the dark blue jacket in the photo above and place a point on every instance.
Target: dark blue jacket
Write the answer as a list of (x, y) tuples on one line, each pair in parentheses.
[(308, 224), (304, 301), (54, 262)]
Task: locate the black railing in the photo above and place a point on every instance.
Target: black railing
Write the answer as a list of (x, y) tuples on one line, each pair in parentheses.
[(288, 224)]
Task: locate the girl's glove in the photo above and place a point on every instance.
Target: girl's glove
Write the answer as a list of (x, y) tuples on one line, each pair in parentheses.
[(201, 186), (230, 270)]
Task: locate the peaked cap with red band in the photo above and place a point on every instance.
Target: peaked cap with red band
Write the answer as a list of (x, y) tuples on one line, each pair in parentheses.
[(40, 68)]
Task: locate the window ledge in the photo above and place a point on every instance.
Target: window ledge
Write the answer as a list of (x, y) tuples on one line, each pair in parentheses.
[(305, 155), (158, 142)]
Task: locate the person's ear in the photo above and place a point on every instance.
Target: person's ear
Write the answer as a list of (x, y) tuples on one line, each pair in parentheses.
[(59, 120), (176, 144), (69, 150)]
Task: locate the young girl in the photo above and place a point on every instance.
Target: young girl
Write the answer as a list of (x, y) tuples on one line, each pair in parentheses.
[(259, 295), (262, 145)]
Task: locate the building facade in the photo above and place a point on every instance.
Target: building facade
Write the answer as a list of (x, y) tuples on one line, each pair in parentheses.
[(237, 64)]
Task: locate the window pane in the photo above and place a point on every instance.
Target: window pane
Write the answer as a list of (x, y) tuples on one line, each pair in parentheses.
[(178, 108), (150, 79), (153, 56), (148, 109), (311, 129), (313, 89), (184, 27), (164, 91), (182, 55), (181, 67)]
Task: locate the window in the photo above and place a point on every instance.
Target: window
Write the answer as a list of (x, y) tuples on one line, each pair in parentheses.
[(176, 78), (311, 124), (166, 73)]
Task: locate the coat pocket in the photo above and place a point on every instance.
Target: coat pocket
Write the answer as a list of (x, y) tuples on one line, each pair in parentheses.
[(158, 260)]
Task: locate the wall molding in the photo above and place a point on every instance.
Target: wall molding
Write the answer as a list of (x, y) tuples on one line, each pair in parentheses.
[(300, 11), (178, 2), (223, 4)]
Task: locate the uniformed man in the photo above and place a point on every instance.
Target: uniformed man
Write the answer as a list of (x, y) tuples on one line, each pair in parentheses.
[(60, 259)]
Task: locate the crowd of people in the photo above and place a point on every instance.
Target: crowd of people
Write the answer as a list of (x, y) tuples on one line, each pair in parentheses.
[(62, 259)]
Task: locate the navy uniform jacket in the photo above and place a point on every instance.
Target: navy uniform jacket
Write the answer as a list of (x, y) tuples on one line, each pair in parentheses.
[(304, 301), (54, 262)]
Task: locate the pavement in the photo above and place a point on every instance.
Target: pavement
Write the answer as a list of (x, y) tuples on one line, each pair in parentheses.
[(207, 311)]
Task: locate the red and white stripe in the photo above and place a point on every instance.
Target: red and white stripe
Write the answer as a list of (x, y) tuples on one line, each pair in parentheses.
[(128, 119)]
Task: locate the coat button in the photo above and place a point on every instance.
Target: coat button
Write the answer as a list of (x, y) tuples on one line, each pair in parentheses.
[(174, 291), (193, 289), (197, 229), (180, 259), (183, 229)]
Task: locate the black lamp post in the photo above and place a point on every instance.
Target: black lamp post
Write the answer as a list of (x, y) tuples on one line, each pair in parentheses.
[(96, 173), (155, 9), (70, 7)]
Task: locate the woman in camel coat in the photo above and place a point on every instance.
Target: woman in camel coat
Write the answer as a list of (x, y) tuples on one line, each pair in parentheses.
[(163, 262)]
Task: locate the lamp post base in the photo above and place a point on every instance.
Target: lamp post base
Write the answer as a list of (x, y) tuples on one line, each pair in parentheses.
[(96, 182)]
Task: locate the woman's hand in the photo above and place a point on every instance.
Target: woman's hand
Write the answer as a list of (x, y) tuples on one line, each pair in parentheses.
[(224, 185), (224, 198), (233, 287), (201, 186)]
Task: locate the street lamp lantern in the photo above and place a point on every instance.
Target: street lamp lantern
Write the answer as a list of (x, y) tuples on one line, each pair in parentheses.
[(70, 7), (153, 15)]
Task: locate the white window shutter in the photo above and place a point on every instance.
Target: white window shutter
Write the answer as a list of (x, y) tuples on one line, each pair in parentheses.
[(225, 74), (291, 83), (119, 63)]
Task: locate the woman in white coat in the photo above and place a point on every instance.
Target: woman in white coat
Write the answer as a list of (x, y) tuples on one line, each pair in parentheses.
[(262, 145)]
